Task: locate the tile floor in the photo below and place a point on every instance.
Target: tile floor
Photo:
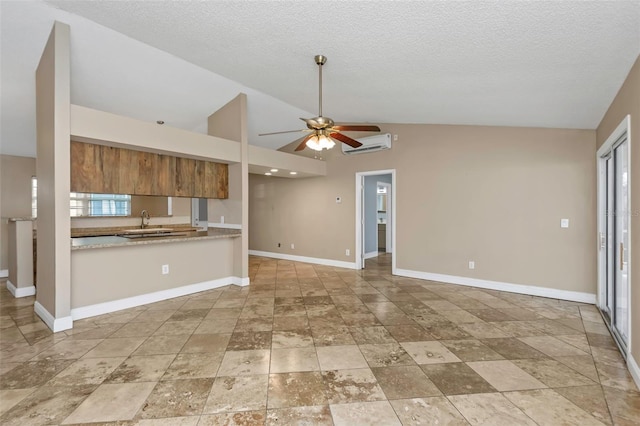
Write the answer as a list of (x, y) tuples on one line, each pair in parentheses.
[(316, 345)]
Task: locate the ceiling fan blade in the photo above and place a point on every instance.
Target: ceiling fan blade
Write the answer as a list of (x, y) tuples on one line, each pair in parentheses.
[(349, 128), (279, 133), (345, 139), (304, 142)]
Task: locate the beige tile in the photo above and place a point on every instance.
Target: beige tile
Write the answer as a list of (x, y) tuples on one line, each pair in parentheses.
[(404, 382), (47, 405), (291, 339), (193, 366), (245, 393), (546, 406), (86, 371), (296, 389), (344, 386), (68, 349), (245, 363), (245, 418), (591, 399), (340, 357), (115, 347), (552, 373), (206, 343), (137, 329), (219, 326), (161, 345), (10, 397), (505, 375), (288, 360), (623, 404), (490, 409), (429, 352), (428, 411), (582, 364), (551, 346), (364, 414), (141, 369), (31, 374), (176, 398), (615, 377), (483, 330), (386, 355), (111, 402), (319, 415)]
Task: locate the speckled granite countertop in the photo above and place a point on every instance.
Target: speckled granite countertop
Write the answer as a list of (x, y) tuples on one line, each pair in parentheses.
[(19, 219), (82, 243)]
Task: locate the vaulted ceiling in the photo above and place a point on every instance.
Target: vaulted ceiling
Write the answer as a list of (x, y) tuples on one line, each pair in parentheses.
[(542, 64)]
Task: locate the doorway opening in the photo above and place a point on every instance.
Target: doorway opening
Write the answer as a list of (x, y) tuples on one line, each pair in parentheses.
[(375, 218), (614, 230)]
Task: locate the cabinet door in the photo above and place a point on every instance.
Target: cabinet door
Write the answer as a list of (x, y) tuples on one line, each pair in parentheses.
[(185, 171)]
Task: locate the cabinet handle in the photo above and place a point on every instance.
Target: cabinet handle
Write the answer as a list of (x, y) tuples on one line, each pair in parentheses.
[(621, 256)]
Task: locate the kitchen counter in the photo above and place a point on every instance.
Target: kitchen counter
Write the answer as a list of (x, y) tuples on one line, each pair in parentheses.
[(82, 243)]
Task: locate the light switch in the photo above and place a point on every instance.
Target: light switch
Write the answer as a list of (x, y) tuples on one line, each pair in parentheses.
[(564, 223)]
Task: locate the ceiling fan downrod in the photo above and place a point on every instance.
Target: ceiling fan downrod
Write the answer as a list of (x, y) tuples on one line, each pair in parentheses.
[(320, 60)]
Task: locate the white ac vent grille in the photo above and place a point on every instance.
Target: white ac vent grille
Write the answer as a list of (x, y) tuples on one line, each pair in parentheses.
[(369, 144)]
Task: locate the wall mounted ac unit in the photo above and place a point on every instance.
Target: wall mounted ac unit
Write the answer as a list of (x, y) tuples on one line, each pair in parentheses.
[(369, 144)]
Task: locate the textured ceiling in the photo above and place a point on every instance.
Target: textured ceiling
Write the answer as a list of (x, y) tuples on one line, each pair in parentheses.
[(545, 64)]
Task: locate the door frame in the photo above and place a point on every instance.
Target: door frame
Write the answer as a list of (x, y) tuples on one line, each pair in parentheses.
[(623, 128), (359, 219)]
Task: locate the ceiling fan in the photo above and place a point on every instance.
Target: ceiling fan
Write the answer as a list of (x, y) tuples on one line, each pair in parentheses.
[(323, 130)]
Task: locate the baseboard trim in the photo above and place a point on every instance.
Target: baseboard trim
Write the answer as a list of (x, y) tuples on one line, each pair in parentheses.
[(574, 296), (158, 296), (371, 254), (4, 273), (55, 324), (634, 369), (20, 291), (316, 260), (225, 225), (241, 281)]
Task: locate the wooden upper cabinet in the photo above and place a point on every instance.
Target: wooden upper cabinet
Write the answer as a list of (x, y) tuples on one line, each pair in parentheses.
[(103, 169)]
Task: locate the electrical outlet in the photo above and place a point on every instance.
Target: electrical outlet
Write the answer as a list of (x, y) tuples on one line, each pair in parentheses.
[(338, 200), (292, 246), (347, 252), (221, 219), (472, 264), (395, 138), (165, 269)]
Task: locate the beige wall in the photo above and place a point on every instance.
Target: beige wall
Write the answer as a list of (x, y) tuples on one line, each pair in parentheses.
[(627, 102), (15, 181), (53, 91), (230, 122), (98, 278), (494, 195)]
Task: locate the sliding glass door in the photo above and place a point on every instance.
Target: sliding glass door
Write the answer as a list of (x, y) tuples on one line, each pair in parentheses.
[(614, 239)]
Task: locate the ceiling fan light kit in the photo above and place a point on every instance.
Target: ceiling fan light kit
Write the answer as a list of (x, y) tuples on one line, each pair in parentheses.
[(323, 131)]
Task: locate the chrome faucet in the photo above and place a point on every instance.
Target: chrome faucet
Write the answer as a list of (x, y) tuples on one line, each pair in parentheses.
[(144, 215)]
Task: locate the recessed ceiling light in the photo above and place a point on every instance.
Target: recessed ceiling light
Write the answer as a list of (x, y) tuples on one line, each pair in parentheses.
[(160, 122), (274, 170), (268, 174), (293, 173)]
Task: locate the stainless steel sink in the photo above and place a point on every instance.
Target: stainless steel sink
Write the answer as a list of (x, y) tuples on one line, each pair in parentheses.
[(145, 231)]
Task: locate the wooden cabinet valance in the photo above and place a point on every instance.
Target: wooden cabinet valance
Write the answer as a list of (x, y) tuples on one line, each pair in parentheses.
[(108, 170)]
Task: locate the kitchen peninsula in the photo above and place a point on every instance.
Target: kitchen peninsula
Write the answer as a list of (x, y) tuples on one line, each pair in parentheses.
[(110, 273)]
